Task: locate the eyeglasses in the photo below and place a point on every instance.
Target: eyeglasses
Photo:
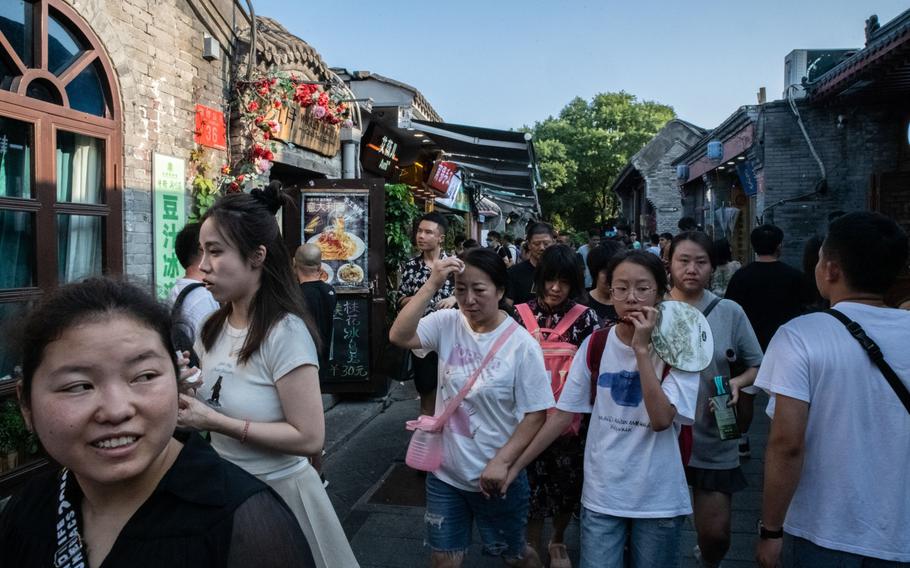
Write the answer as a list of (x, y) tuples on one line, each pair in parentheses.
[(640, 292)]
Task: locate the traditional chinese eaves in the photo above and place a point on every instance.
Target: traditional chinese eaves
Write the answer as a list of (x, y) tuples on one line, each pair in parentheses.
[(277, 47)]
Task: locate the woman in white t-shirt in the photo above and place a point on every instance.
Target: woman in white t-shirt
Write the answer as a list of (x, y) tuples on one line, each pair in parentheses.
[(260, 399), (634, 483), (494, 422)]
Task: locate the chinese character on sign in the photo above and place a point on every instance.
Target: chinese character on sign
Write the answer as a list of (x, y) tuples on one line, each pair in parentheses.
[(169, 203), (210, 127), (171, 266), (169, 235)]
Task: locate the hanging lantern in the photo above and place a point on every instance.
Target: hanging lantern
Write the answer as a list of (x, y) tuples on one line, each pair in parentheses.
[(682, 171), (715, 150)]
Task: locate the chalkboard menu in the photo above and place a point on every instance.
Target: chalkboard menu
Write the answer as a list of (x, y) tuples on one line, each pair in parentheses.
[(349, 357), (338, 224)]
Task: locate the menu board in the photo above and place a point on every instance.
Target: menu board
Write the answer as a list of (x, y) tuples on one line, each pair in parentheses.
[(349, 354), (337, 223)]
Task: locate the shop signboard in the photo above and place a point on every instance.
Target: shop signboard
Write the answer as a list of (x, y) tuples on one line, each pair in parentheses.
[(209, 128), (349, 351), (168, 218), (379, 153), (299, 127), (456, 198), (442, 175), (747, 177)]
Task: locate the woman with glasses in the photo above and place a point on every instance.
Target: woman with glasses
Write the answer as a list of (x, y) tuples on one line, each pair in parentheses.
[(634, 485), (713, 471), (260, 399), (555, 476)]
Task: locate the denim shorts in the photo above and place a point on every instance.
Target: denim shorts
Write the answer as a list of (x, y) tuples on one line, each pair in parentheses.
[(501, 522), (652, 542)]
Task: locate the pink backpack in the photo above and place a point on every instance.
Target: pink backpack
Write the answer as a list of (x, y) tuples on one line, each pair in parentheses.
[(557, 351)]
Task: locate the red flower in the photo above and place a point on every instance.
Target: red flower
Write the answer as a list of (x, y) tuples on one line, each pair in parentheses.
[(253, 106), (277, 103), (233, 187)]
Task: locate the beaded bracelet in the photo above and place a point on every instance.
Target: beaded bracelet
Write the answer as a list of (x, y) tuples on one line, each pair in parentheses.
[(246, 430)]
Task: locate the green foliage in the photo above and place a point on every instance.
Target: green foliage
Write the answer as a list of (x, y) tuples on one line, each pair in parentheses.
[(14, 436), (400, 213), (581, 152), (203, 189)]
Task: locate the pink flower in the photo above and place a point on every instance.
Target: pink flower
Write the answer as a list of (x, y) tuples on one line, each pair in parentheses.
[(319, 112), (348, 123), (262, 165)]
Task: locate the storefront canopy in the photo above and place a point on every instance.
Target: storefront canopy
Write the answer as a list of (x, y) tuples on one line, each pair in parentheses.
[(498, 163)]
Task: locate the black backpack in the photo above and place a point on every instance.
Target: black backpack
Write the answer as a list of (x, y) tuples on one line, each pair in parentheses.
[(182, 336)]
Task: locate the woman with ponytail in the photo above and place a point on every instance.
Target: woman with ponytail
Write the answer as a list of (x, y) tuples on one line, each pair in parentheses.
[(495, 421), (260, 398)]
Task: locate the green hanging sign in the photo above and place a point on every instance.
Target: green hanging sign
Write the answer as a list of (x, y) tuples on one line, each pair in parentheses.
[(168, 218)]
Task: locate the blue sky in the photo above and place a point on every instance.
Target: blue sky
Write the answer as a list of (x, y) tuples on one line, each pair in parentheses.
[(507, 63)]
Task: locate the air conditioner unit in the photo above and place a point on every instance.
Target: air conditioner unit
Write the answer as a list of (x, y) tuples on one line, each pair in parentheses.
[(811, 64)]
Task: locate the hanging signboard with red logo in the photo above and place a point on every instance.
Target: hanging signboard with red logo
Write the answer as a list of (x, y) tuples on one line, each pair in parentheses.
[(442, 175), (210, 128)]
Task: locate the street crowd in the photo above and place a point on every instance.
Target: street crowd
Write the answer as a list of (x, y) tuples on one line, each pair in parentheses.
[(575, 413), (539, 386)]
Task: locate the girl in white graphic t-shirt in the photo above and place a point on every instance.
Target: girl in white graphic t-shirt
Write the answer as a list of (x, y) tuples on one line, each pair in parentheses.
[(634, 483), (260, 399), (494, 422)]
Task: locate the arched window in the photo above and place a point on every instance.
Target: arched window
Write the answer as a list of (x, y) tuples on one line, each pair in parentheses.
[(60, 148)]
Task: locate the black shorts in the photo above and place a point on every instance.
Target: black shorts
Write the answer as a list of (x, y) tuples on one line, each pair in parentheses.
[(727, 481), (426, 372)]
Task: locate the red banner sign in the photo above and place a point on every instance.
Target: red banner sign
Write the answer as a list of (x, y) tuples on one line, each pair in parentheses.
[(442, 175), (210, 128)]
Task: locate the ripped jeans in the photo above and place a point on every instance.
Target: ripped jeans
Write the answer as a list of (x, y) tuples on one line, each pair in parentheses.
[(653, 542), (501, 522)]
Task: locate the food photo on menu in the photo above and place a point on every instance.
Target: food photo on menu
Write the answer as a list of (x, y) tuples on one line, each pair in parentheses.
[(337, 224)]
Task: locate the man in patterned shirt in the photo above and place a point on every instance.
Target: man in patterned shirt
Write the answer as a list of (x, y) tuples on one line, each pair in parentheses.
[(430, 236)]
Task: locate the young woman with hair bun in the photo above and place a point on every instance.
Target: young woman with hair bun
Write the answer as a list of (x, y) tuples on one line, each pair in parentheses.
[(260, 398)]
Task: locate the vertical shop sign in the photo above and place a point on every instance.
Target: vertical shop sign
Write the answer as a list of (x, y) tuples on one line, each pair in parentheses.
[(169, 217), (349, 356)]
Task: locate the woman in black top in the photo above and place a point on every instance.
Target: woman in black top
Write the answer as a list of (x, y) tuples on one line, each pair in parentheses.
[(599, 296), (99, 388)]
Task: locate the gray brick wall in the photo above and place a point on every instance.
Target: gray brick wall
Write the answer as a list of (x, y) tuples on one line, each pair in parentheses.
[(867, 142), (156, 50)]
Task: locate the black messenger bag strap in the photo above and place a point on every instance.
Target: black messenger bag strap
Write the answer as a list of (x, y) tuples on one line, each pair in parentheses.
[(876, 355), (710, 307)]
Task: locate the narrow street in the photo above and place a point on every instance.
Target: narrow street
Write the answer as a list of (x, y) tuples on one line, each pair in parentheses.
[(380, 500)]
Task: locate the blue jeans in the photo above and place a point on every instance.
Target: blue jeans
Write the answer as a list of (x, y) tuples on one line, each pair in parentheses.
[(801, 553), (501, 522), (654, 542)]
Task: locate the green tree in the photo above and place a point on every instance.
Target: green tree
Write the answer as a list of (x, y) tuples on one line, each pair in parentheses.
[(581, 152)]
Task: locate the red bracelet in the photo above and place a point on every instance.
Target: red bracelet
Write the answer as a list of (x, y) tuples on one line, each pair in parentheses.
[(246, 430)]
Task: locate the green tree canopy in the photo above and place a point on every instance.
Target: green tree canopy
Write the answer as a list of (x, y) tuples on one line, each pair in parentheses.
[(581, 152)]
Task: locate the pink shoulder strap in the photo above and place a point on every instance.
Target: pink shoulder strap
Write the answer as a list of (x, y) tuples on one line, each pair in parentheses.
[(569, 320), (453, 404), (530, 322)]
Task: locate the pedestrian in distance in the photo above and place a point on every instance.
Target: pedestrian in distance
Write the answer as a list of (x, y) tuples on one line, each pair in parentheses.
[(559, 322), (771, 292), (583, 250), (835, 485), (494, 242), (654, 244), (725, 267), (714, 469), (634, 483), (260, 400), (521, 276), (192, 302), (494, 422), (430, 237), (99, 388), (319, 296), (599, 298)]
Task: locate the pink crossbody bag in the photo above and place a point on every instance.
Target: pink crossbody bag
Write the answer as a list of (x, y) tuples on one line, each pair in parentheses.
[(426, 449)]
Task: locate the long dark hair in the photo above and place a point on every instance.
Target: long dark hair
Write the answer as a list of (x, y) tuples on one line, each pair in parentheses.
[(487, 261), (247, 221), (560, 262), (94, 299)]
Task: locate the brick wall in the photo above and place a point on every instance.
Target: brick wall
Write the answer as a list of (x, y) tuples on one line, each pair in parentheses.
[(867, 142), (156, 50), (663, 189)]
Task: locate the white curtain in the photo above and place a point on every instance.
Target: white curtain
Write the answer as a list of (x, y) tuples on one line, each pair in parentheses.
[(79, 181)]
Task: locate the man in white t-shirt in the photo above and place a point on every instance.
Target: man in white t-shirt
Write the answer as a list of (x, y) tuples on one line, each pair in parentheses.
[(836, 490), (199, 303)]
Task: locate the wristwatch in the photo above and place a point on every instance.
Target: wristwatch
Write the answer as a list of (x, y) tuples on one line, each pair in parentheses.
[(766, 534)]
